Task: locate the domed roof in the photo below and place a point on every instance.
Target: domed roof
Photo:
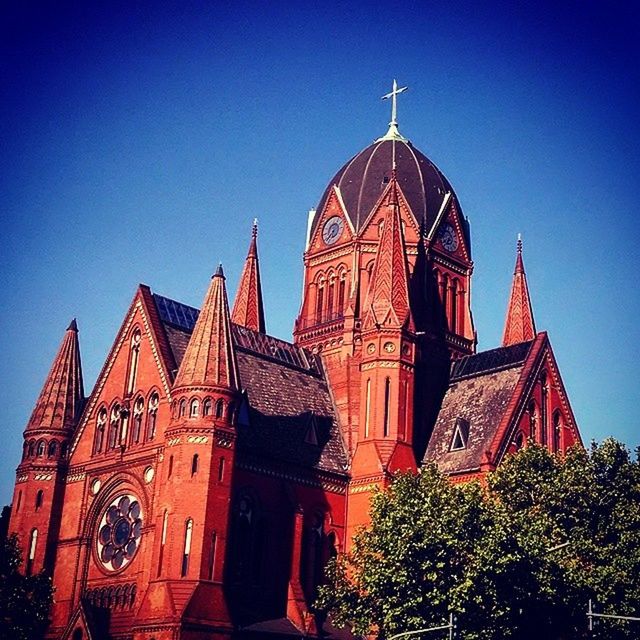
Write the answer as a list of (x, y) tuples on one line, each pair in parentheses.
[(364, 177)]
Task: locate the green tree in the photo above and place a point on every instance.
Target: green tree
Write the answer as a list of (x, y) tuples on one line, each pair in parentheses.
[(24, 600), (492, 554)]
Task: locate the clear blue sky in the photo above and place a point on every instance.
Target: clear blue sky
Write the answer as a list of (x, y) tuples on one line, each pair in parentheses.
[(139, 141)]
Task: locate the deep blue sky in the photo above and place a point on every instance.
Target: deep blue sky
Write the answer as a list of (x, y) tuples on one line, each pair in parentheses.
[(139, 141)]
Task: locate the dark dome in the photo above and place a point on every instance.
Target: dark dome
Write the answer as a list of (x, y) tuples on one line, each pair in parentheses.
[(364, 177)]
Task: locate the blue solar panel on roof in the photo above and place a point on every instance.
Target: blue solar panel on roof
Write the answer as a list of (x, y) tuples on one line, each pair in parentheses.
[(184, 317), (492, 360)]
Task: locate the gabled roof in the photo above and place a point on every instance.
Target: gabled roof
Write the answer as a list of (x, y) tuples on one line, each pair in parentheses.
[(481, 390), (285, 389)]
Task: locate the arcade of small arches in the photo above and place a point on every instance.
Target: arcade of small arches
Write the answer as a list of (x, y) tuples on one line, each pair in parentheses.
[(44, 448), (118, 598), (329, 291), (207, 407)]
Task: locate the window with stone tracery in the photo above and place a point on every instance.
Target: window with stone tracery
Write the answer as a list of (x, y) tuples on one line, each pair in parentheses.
[(138, 415), (134, 359), (154, 402)]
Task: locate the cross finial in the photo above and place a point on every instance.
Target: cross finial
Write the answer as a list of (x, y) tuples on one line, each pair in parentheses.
[(393, 133)]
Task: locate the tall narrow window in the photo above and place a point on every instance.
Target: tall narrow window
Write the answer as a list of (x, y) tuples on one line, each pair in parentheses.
[(138, 414), (154, 401), (221, 470), (454, 306), (320, 302), (170, 467), (194, 408), (195, 461), (330, 298), (19, 501), (188, 532), (41, 449), (33, 541), (39, 499), (163, 539), (533, 417), (557, 431), (206, 407), (219, 408), (367, 409), (183, 408), (387, 408), (133, 360), (212, 555), (341, 291), (544, 426), (114, 426), (405, 410), (53, 449)]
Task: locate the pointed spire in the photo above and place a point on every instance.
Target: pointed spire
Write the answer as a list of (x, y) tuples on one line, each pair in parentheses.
[(519, 325), (389, 287), (210, 359), (248, 310), (62, 396)]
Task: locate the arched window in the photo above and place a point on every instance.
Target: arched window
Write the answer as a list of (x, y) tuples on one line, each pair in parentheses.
[(212, 555), (194, 408), (221, 469), (231, 412), (77, 634), (101, 422), (188, 532), (387, 408), (133, 360), (183, 408), (33, 542), (41, 448), (313, 561), (219, 408), (114, 426), (342, 286), (533, 420), (39, 499), (453, 320), (544, 426), (195, 461), (206, 407), (25, 450), (53, 449), (154, 401), (557, 431), (19, 501), (519, 441), (320, 301), (331, 297), (170, 467), (138, 414), (367, 409), (32, 448), (163, 540)]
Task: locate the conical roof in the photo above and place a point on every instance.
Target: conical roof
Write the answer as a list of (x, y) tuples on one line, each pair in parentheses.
[(210, 360), (519, 325), (62, 396)]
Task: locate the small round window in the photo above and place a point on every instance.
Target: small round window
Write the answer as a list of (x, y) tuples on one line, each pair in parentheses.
[(119, 532)]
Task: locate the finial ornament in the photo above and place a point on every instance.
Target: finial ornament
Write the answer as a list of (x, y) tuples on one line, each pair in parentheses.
[(254, 230), (393, 133), (519, 243)]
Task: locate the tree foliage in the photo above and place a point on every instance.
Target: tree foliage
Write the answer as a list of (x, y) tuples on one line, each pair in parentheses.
[(491, 554), (24, 600)]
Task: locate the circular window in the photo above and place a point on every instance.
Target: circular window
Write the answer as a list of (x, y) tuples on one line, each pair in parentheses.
[(95, 486), (119, 532), (148, 474)]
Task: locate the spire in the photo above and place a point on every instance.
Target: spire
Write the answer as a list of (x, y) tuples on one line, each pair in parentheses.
[(210, 359), (389, 288), (519, 326), (248, 310), (62, 396)]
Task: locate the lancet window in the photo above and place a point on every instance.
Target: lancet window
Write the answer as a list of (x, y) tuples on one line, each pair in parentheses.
[(134, 359), (154, 402)]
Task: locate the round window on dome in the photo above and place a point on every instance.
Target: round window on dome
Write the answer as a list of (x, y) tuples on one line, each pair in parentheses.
[(119, 532)]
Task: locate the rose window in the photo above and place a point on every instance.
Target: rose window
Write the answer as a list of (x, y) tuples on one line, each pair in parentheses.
[(119, 532)]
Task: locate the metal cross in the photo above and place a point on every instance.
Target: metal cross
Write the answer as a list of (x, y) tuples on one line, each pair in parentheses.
[(392, 95)]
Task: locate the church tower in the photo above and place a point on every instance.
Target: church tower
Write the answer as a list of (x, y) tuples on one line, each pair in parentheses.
[(343, 246), (40, 477), (194, 498)]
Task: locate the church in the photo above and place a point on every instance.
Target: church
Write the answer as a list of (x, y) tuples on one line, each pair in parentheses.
[(199, 489)]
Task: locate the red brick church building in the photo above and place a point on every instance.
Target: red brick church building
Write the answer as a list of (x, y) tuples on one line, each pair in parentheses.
[(201, 486)]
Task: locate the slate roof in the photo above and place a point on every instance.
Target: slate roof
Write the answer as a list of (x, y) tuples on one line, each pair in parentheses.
[(287, 394), (363, 179), (480, 389)]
